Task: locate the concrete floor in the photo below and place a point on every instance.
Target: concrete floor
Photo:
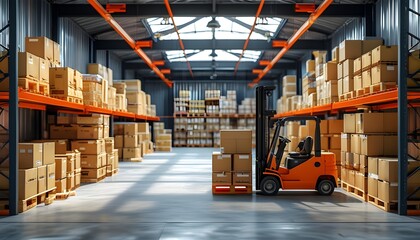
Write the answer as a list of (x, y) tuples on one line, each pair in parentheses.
[(168, 196)]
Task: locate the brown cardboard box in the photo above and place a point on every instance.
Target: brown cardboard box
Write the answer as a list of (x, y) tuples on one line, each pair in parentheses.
[(348, 68), (340, 71), (370, 44), (130, 141), (44, 71), (358, 82), (70, 161), (385, 73), (372, 186), (96, 68), (390, 146), (77, 179), (344, 173), (390, 122), (89, 146), (366, 78), (48, 152), (116, 158), (330, 71), (103, 159), (372, 145), (293, 128), (221, 162), (143, 137), (120, 153), (143, 127), (388, 169), (355, 144), (373, 165), (163, 137), (91, 161), (90, 132), (92, 119), (385, 54), (303, 131), (106, 132), (40, 46), (56, 53), (61, 146), (387, 192), (369, 122), (62, 81), (60, 167), (109, 145), (335, 126), (50, 176), (360, 181), (137, 109), (42, 179), (349, 123), (350, 177), (131, 153), (335, 142), (363, 159), (77, 160), (346, 142), (349, 160), (236, 141), (356, 161), (110, 159), (350, 49), (324, 143), (119, 141), (242, 178), (340, 87), (348, 84), (357, 65), (93, 173), (343, 159), (30, 155), (222, 177), (63, 132), (130, 129), (28, 183), (242, 162), (61, 185), (134, 98), (70, 182), (367, 60), (310, 66)]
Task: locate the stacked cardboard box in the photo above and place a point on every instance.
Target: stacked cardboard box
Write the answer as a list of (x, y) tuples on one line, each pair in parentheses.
[(73, 171), (93, 90), (66, 83), (120, 96), (132, 140), (228, 104), (366, 135), (247, 106), (36, 170), (107, 76), (182, 102), (136, 98), (232, 167), (112, 96), (163, 137), (309, 86)]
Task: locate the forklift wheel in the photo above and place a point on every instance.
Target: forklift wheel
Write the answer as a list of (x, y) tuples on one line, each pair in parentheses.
[(325, 187), (270, 186)]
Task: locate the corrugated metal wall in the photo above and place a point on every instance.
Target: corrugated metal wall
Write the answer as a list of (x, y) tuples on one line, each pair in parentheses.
[(387, 20), (115, 62), (34, 20), (74, 45), (351, 30)]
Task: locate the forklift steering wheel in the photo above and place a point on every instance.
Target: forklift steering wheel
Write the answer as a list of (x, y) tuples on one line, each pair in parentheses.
[(285, 139)]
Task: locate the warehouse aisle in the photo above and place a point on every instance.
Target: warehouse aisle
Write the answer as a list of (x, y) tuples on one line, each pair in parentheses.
[(168, 195)]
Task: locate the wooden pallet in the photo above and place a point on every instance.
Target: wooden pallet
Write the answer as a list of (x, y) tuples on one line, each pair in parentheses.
[(64, 195), (357, 192), (196, 115), (384, 62), (29, 84), (383, 86), (93, 180), (180, 145), (359, 92), (44, 88), (347, 96), (112, 173), (47, 197), (94, 104), (221, 189), (69, 99)]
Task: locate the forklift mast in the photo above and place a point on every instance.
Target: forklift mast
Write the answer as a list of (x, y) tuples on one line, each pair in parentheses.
[(263, 117)]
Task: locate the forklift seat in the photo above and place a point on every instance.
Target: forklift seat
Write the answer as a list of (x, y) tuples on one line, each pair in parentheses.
[(296, 158)]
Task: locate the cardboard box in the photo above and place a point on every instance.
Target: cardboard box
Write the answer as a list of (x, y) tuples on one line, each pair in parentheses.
[(130, 141), (388, 170), (222, 177), (44, 71), (367, 60), (61, 146), (70, 182), (92, 161), (340, 87), (372, 145), (348, 84), (335, 126), (358, 82), (109, 145), (357, 65), (373, 165), (236, 141), (135, 98), (350, 49), (221, 162), (110, 159), (242, 162), (360, 181), (143, 127), (116, 158), (132, 153), (370, 44), (50, 176), (349, 160), (344, 173), (61, 185), (356, 162), (60, 167), (77, 179), (335, 142), (90, 132), (40, 46), (390, 122), (330, 71), (28, 183), (119, 141), (130, 129), (349, 123), (385, 54), (242, 178), (292, 128), (93, 119), (372, 187), (350, 177), (348, 68), (92, 147), (62, 81), (163, 137), (366, 78), (30, 155), (390, 146), (385, 73), (342, 159), (355, 145), (48, 152), (346, 142), (369, 122), (42, 179), (303, 131), (363, 160), (96, 68), (63, 132), (93, 173), (387, 192), (340, 71)]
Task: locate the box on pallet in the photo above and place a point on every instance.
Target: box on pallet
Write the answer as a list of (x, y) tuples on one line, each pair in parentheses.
[(236, 141), (28, 65), (221, 162), (62, 81), (89, 146), (40, 46), (42, 179), (50, 176), (30, 155)]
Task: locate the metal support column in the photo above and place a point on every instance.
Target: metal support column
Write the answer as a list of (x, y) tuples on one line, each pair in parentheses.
[(402, 106), (54, 24), (13, 108), (107, 58), (370, 20), (91, 50)]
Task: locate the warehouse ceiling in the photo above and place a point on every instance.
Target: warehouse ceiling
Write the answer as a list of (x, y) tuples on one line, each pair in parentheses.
[(212, 56)]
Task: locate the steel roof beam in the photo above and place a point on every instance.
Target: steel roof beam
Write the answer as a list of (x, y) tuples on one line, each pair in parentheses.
[(204, 10), (257, 45)]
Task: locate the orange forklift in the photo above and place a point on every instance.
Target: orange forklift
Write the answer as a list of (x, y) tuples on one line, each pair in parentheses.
[(304, 169)]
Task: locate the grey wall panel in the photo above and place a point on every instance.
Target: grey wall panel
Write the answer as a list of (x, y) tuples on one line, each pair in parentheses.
[(115, 62), (74, 45), (101, 57), (34, 20), (351, 30)]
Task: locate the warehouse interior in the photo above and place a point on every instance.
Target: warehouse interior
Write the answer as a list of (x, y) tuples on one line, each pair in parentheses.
[(178, 119)]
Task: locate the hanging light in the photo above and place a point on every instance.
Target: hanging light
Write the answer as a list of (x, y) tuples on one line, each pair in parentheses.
[(213, 23)]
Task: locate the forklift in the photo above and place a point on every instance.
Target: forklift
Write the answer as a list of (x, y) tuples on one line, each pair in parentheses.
[(303, 169)]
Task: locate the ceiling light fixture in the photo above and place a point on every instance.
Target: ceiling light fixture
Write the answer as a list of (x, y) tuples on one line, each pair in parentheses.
[(213, 23)]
